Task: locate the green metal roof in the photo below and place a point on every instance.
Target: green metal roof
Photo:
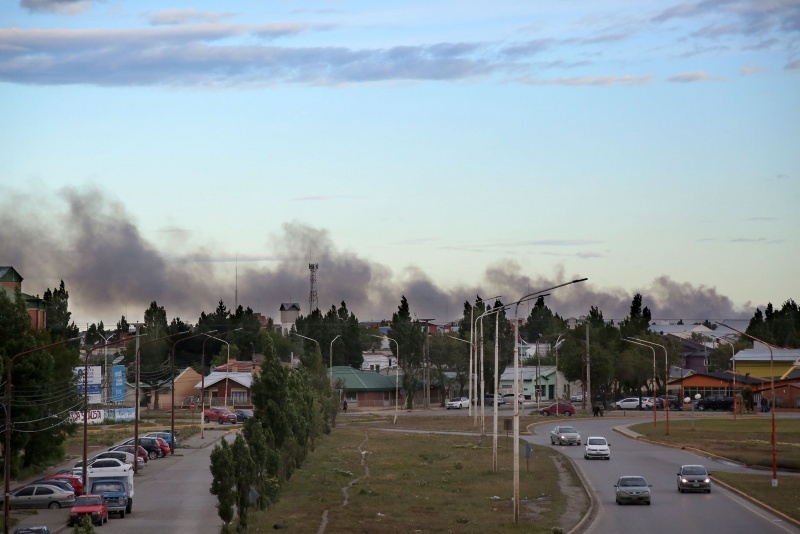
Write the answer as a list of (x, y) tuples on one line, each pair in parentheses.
[(355, 380)]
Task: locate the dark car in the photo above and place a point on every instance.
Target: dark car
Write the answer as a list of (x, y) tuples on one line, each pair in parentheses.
[(565, 408), (693, 478), (632, 489), (151, 445), (675, 403), (243, 415), (32, 530), (715, 402)]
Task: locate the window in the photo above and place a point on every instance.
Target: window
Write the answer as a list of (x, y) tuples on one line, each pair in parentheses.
[(44, 490), (239, 396)]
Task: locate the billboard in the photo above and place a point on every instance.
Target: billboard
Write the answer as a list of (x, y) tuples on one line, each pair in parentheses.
[(117, 383), (95, 381)]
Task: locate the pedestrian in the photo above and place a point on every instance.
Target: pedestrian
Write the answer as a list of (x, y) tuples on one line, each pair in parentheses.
[(344, 405), (596, 410)]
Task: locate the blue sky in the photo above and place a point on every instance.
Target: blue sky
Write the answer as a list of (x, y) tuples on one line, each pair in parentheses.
[(439, 149)]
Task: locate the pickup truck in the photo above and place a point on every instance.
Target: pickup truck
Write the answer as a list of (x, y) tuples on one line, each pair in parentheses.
[(715, 403), (115, 488)]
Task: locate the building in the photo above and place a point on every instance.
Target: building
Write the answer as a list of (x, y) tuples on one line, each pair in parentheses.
[(10, 282), (541, 378), (290, 311)]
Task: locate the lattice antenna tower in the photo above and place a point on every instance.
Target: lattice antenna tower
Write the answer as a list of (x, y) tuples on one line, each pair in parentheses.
[(313, 301)]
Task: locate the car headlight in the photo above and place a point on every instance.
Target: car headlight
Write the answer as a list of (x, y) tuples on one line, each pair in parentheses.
[(708, 480), (684, 481)]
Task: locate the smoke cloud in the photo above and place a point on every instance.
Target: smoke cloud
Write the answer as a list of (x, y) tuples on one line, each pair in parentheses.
[(111, 270)]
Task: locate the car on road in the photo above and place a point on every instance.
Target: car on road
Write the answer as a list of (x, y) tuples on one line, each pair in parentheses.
[(577, 397), (32, 530), (597, 447), (693, 478), (632, 489), (91, 506), (490, 399), (243, 415), (510, 396), (39, 496), (559, 408), (220, 415), (457, 403), (715, 402), (564, 435), (629, 403)]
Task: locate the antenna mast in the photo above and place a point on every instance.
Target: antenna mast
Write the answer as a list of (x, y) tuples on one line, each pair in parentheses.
[(313, 301)]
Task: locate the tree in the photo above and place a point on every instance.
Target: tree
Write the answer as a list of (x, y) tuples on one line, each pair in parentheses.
[(223, 481), (781, 327), (541, 321), (638, 321), (58, 316), (244, 477), (341, 322), (410, 342)]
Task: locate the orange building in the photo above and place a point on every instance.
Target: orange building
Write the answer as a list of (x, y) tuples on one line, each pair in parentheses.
[(10, 282)]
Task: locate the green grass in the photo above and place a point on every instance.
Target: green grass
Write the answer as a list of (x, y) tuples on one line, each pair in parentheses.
[(426, 483)]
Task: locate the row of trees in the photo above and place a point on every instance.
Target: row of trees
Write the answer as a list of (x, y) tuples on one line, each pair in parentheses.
[(44, 387)]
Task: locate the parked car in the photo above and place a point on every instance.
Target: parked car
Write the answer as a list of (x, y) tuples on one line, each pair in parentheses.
[(490, 399), (32, 530), (597, 447), (457, 403), (74, 481), (166, 436), (564, 435), (39, 496), (91, 506), (675, 403), (629, 403), (520, 398), (693, 478), (577, 397), (243, 415), (164, 446), (715, 402), (123, 456), (220, 415), (632, 489), (151, 445), (112, 465), (565, 408), (141, 451), (63, 484)]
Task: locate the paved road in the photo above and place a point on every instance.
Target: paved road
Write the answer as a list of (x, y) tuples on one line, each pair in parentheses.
[(719, 511)]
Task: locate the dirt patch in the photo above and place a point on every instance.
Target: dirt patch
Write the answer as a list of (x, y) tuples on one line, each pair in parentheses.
[(577, 500)]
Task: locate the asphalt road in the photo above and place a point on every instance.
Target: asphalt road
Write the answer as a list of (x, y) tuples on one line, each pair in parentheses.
[(719, 511)]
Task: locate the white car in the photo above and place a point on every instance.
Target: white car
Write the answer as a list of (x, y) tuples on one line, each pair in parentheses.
[(457, 403), (630, 403), (577, 397), (102, 465), (597, 447)]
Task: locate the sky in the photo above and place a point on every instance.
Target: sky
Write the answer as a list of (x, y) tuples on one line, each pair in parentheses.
[(191, 152)]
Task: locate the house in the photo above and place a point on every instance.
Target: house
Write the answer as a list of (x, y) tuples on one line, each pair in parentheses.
[(760, 362), (378, 361), (290, 311), (368, 390), (544, 377), (224, 388), (10, 281)]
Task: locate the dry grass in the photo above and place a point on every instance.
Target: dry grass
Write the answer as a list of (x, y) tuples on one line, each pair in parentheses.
[(417, 481)]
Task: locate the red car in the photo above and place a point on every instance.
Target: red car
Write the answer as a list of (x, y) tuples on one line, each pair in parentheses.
[(220, 415), (164, 446), (91, 506), (561, 408), (74, 481)]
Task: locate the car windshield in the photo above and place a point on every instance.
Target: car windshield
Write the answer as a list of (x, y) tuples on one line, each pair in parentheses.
[(568, 430), (596, 441), (632, 481), (87, 501), (694, 470)]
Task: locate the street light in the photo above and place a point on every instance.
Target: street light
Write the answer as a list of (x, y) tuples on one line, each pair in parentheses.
[(7, 453), (688, 399), (772, 393), (666, 379), (172, 418), (733, 363), (516, 388), (331, 356), (473, 368), (636, 342), (396, 374), (558, 396)]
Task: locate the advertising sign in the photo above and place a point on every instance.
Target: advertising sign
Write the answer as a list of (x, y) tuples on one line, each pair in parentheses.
[(94, 385), (95, 417), (118, 383)]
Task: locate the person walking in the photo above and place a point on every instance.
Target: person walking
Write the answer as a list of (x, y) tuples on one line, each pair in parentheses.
[(344, 406)]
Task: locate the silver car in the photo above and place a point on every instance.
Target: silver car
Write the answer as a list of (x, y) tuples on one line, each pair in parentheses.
[(564, 435), (693, 478), (40, 495), (632, 489)]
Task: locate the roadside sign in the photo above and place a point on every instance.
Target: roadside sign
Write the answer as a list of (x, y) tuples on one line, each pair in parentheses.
[(192, 406)]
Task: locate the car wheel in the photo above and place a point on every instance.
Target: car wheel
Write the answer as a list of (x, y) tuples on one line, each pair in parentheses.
[(708, 491), (618, 502), (122, 514), (567, 413), (545, 413), (207, 420), (152, 455), (680, 490), (648, 503), (54, 505), (608, 457), (701, 408)]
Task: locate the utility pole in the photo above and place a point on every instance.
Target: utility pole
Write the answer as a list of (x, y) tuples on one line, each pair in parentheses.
[(426, 357), (588, 369)]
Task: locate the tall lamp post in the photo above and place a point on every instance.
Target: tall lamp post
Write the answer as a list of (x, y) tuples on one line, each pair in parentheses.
[(172, 366), (636, 342), (733, 363), (472, 350), (558, 396), (396, 374), (330, 367), (772, 394), (7, 453), (516, 388), (227, 363), (666, 378)]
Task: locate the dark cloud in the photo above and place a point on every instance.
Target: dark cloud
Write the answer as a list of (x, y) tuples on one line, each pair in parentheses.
[(110, 269)]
